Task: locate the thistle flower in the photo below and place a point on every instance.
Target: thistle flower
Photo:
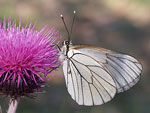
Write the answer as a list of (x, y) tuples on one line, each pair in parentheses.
[(26, 57)]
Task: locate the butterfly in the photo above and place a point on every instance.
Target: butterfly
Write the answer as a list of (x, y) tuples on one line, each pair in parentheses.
[(93, 75)]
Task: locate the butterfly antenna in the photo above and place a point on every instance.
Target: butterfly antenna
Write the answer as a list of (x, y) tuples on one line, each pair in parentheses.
[(62, 17), (74, 14)]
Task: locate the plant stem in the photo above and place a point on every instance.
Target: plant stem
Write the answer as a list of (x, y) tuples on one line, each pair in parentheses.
[(12, 106), (0, 109)]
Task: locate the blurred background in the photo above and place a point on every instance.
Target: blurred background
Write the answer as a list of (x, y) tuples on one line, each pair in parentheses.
[(119, 25)]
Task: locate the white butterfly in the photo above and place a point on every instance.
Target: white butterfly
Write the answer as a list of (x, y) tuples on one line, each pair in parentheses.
[(94, 75)]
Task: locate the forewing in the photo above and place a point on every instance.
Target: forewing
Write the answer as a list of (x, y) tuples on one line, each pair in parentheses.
[(124, 69), (87, 81)]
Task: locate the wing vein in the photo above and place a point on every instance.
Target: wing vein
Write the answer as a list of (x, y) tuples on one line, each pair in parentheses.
[(81, 79), (94, 72), (67, 74), (77, 83), (99, 93), (91, 94), (104, 79), (111, 74), (104, 88), (73, 84), (120, 67), (118, 72), (127, 59), (129, 66)]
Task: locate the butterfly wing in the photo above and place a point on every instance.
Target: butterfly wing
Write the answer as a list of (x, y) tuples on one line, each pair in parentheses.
[(124, 69), (87, 80)]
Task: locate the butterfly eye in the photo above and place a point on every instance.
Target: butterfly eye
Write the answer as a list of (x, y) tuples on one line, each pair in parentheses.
[(67, 42)]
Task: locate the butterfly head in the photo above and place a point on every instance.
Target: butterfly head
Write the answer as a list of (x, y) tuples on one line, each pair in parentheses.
[(66, 43)]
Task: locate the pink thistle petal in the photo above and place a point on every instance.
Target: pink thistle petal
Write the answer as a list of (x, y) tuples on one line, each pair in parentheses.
[(37, 75), (5, 76), (24, 80), (1, 72), (26, 73), (25, 56), (9, 76), (34, 79), (18, 82), (14, 77)]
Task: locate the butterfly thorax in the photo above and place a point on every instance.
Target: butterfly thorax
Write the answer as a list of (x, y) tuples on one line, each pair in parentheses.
[(64, 50)]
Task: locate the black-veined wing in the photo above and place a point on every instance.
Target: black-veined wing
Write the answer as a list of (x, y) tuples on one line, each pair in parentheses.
[(87, 80), (124, 69)]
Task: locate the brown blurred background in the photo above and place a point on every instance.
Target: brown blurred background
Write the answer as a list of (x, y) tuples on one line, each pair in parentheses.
[(119, 25)]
